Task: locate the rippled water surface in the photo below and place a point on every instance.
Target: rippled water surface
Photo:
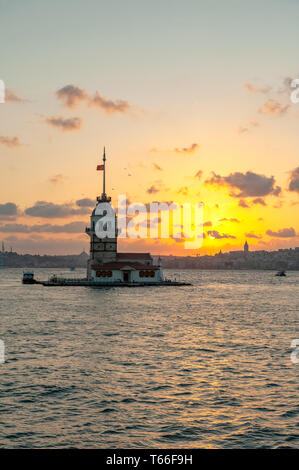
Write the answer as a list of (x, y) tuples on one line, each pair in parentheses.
[(201, 366)]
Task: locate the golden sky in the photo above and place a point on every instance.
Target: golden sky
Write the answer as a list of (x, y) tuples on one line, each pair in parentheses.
[(191, 100)]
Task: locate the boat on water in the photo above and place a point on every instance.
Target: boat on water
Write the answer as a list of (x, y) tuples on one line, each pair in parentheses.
[(281, 273), (28, 278)]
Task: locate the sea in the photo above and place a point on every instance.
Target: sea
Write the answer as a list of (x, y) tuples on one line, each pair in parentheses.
[(202, 366)]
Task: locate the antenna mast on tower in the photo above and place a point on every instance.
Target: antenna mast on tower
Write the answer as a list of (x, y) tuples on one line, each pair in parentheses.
[(104, 174), (102, 167)]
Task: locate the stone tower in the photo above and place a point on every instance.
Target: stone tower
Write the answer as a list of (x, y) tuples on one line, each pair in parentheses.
[(246, 247), (103, 249)]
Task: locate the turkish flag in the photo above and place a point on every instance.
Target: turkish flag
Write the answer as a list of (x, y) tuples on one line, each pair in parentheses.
[(100, 167)]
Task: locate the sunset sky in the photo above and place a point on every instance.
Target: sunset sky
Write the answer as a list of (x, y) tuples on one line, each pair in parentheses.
[(191, 99)]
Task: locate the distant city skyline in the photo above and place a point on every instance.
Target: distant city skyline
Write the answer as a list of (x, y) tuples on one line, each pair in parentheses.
[(191, 100), (282, 259)]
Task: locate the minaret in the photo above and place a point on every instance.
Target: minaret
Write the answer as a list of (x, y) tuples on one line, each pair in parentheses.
[(102, 250), (246, 247)]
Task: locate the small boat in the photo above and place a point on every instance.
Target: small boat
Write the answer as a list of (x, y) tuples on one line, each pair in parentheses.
[(28, 278), (280, 273)]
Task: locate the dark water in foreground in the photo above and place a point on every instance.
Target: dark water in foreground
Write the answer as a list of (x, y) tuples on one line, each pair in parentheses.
[(201, 366)]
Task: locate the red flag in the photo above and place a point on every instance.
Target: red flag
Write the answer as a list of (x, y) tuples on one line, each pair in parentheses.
[(100, 167)]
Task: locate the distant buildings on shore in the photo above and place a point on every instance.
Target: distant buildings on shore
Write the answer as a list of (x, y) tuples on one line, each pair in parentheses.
[(11, 259), (243, 259), (281, 259)]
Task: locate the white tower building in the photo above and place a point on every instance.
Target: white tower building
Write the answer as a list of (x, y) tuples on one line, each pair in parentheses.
[(102, 250), (105, 264)]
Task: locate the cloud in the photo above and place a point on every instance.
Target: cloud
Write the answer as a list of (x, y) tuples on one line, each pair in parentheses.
[(218, 236), (189, 149), (243, 204), (85, 202), (242, 129), (73, 227), (50, 210), (184, 150), (109, 106), (273, 108), (157, 167), (229, 220), (207, 224), (294, 180), (184, 191), (71, 95), (256, 89), (57, 179), (10, 142), (278, 205), (156, 187), (8, 210), (253, 235), (65, 124), (260, 201), (248, 127), (11, 97), (153, 189), (282, 233), (287, 85), (198, 174), (249, 184), (163, 205)]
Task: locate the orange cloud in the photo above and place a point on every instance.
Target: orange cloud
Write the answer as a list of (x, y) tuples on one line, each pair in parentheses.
[(109, 106), (256, 89), (65, 124), (10, 142), (273, 108), (251, 124), (218, 236), (184, 191), (57, 179), (71, 95), (11, 97), (253, 235), (157, 167), (153, 189), (198, 174), (189, 149)]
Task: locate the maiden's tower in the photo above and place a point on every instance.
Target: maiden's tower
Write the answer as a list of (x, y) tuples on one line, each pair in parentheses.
[(106, 267), (105, 263)]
